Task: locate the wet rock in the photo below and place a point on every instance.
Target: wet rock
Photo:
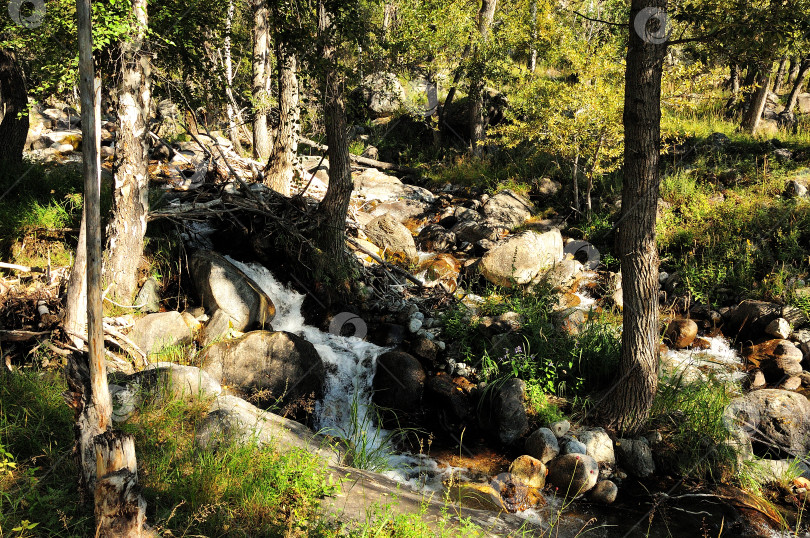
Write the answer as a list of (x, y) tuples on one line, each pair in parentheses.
[(233, 420), (149, 296), (503, 412), (425, 348), (507, 210), (778, 328), (749, 319), (530, 471), (573, 474), (636, 457), (154, 332), (441, 270), (471, 231), (435, 238), (388, 334), (680, 333), (542, 445), (598, 445), (520, 258), (604, 492), (399, 382), (272, 366), (774, 419), (560, 428), (393, 237), (450, 403), (223, 286)]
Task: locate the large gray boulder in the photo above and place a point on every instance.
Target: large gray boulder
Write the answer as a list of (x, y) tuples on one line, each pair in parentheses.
[(383, 94), (636, 457), (154, 332), (399, 382), (272, 365), (543, 445), (503, 412), (507, 210), (372, 184), (573, 474), (774, 419), (223, 286), (598, 445), (233, 420), (393, 237), (520, 258)]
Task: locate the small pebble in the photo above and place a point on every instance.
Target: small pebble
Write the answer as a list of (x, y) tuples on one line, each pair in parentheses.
[(441, 345), (414, 325)]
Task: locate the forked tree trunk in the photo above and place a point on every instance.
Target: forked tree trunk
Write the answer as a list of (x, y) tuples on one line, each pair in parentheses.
[(753, 115), (13, 109), (627, 407), (793, 97), (131, 184), (234, 122), (261, 88), (336, 264), (106, 458), (284, 159), (477, 128)]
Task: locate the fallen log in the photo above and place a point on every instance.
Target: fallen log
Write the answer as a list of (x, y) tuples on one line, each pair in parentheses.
[(365, 161), (21, 336), (23, 268)]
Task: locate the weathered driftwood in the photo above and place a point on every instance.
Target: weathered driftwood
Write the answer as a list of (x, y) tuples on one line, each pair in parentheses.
[(365, 161), (23, 268), (21, 336), (120, 509)]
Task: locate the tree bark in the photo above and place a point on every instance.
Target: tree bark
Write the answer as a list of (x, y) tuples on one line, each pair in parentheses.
[(627, 408), (780, 74), (793, 97), (477, 128), (231, 107), (283, 159), (131, 184), (261, 79), (753, 115), (336, 264), (13, 109), (793, 70)]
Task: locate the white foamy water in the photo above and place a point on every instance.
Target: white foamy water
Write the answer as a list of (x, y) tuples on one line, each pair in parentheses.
[(719, 360), (346, 409)]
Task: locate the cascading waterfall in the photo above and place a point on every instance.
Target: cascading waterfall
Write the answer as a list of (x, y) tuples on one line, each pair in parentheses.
[(346, 410)]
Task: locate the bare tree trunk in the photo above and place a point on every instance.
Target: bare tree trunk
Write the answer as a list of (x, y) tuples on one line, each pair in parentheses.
[(106, 458), (131, 187), (780, 74), (627, 407), (485, 16), (533, 45), (793, 96), (261, 79), (753, 114), (283, 159), (13, 109), (337, 264), (575, 184), (231, 110)]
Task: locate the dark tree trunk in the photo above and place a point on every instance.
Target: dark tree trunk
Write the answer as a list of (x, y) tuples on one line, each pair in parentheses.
[(793, 70), (336, 264), (627, 407), (13, 109), (283, 159), (477, 128), (756, 104), (131, 186), (780, 74), (261, 79)]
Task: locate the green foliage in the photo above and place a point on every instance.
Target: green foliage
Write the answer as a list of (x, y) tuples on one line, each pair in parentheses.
[(690, 416)]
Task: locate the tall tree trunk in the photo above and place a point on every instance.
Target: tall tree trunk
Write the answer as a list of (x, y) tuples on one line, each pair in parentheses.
[(793, 96), (231, 109), (477, 128), (283, 159), (533, 45), (752, 116), (627, 408), (780, 74), (261, 87), (793, 70), (13, 109), (106, 458), (734, 86), (131, 186), (336, 264)]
